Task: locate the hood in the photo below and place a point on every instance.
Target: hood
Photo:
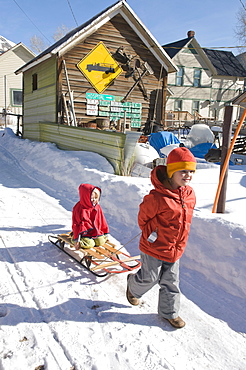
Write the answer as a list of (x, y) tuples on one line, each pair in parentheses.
[(85, 191), (159, 178)]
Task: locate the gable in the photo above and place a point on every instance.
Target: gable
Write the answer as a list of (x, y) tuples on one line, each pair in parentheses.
[(174, 48), (10, 61), (115, 34), (85, 30), (23, 53), (18, 53)]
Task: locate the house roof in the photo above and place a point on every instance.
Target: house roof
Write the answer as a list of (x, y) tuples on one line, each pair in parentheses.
[(15, 49), (87, 28), (174, 47), (224, 62), (5, 44)]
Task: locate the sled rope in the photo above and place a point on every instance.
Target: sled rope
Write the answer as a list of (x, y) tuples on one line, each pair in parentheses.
[(131, 239), (108, 258)]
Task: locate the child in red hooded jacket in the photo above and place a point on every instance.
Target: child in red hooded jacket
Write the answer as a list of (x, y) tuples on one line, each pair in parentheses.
[(89, 225), (164, 218)]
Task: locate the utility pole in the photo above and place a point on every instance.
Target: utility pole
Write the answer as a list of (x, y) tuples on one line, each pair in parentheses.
[(5, 100), (164, 101)]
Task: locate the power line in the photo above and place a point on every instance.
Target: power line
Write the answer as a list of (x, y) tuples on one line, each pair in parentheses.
[(72, 12), (242, 4), (203, 47), (171, 47), (31, 21), (224, 47)]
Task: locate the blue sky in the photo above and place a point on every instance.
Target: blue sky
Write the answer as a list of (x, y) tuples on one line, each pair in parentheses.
[(214, 21)]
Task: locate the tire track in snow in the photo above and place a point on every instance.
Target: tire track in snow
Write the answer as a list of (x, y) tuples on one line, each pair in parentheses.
[(10, 273), (17, 276), (19, 279)]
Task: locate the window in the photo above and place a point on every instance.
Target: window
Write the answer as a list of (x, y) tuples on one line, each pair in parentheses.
[(34, 81), (180, 77), (197, 77), (16, 97), (178, 105), (195, 106)]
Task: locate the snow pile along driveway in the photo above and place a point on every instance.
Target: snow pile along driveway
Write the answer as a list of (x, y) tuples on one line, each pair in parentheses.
[(56, 315)]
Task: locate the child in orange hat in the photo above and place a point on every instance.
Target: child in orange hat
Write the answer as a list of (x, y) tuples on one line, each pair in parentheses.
[(164, 218)]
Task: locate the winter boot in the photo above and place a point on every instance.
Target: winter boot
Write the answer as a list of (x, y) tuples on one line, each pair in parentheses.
[(177, 323), (131, 299)]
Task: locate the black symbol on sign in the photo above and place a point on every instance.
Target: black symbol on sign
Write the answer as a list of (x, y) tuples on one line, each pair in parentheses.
[(104, 67)]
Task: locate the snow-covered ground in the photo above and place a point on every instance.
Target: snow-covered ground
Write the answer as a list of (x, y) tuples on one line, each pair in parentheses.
[(56, 315)]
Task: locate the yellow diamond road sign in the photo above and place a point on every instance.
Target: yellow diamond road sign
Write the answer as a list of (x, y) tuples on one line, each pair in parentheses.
[(99, 67)]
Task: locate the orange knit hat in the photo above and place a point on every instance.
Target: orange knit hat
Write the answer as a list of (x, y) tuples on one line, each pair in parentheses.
[(180, 159)]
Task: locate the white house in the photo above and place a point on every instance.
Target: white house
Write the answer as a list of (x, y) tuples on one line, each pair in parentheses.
[(12, 57), (205, 82)]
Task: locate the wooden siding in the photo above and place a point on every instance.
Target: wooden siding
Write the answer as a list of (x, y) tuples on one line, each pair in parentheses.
[(113, 34), (43, 107), (40, 104), (117, 147), (31, 131)]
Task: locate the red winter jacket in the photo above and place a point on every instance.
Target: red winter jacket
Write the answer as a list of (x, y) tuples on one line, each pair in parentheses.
[(88, 220), (169, 213)]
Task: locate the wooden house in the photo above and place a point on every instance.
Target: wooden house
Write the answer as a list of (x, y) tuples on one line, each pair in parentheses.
[(11, 57), (97, 86), (205, 82)]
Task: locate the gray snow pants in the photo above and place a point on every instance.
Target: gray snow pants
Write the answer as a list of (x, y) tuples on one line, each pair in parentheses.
[(154, 271)]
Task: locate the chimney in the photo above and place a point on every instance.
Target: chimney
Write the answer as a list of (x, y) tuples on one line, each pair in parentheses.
[(191, 33)]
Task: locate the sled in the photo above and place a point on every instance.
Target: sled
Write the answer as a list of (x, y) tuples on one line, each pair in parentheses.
[(100, 261)]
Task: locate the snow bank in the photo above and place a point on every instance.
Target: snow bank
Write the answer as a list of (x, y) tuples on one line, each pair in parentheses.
[(216, 245), (56, 315)]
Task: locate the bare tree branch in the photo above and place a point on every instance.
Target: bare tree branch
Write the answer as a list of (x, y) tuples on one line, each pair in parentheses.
[(240, 30), (60, 32), (37, 43)]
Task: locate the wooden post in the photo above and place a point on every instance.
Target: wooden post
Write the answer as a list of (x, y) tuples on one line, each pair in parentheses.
[(164, 101), (18, 125), (5, 100), (226, 140)]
